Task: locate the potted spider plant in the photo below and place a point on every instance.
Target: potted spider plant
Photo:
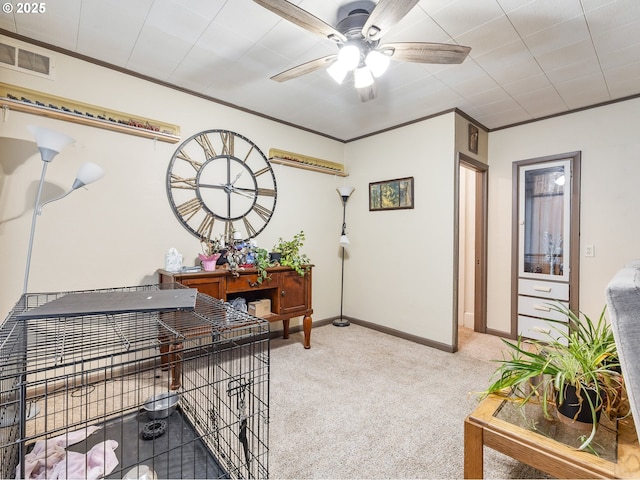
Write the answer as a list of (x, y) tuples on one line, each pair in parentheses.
[(575, 372)]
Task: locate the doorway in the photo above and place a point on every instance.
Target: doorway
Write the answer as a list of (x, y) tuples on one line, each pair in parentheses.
[(470, 285)]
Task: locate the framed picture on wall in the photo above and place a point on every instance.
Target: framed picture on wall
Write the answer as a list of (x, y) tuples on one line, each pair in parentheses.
[(391, 194), (473, 138)]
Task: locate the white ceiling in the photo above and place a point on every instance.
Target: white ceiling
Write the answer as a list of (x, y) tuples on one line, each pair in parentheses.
[(529, 58)]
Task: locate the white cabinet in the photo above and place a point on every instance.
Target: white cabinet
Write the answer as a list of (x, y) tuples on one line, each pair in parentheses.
[(546, 242)]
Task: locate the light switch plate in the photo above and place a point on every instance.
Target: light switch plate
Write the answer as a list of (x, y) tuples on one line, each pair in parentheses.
[(589, 251)]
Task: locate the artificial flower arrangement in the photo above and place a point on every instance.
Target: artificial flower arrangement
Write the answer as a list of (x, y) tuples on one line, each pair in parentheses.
[(246, 254), (211, 252)]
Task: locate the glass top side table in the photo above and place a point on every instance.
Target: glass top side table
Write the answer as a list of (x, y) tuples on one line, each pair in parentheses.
[(548, 446)]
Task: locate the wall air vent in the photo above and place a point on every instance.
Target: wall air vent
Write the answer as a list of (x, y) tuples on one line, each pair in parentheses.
[(7, 54), (22, 60)]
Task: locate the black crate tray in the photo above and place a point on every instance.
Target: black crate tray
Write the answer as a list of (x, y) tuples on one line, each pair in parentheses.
[(178, 453)]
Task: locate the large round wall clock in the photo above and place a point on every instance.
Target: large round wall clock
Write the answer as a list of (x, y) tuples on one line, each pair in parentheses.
[(219, 182)]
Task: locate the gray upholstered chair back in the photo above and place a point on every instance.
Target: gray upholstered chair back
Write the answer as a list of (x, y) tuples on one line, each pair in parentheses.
[(623, 305)]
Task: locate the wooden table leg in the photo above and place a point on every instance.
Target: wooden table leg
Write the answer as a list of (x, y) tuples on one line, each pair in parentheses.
[(164, 352), (285, 328), (175, 357), (306, 325), (473, 450)]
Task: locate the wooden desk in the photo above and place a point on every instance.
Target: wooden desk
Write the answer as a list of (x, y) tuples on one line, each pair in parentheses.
[(290, 293), (484, 428)]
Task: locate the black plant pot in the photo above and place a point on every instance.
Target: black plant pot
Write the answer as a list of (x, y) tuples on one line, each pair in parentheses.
[(275, 257), (576, 407)]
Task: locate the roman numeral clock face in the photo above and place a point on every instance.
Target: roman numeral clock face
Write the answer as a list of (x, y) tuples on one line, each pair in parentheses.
[(219, 182)]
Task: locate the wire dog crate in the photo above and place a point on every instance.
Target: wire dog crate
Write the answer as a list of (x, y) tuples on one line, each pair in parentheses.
[(115, 382)]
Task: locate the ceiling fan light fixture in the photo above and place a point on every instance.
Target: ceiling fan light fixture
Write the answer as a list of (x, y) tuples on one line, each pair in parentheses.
[(377, 62), (362, 77), (337, 72), (349, 56), (358, 36)]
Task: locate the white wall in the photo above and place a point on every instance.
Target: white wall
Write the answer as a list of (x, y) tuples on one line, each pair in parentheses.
[(399, 273), (116, 232), (609, 141)]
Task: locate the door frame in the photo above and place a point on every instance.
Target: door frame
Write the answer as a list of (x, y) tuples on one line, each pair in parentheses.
[(480, 236)]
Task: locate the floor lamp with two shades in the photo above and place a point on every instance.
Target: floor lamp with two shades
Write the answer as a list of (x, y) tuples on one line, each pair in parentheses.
[(345, 193)]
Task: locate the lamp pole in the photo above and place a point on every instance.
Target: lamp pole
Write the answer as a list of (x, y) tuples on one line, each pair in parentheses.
[(33, 226), (344, 192)]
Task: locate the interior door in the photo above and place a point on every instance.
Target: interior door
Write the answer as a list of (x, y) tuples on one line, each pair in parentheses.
[(478, 234)]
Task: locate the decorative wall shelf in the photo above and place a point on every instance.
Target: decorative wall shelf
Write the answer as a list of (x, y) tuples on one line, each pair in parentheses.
[(30, 101), (305, 162)]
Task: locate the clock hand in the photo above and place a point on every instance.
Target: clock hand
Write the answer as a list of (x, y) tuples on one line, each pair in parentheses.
[(235, 179), (228, 187), (207, 185), (244, 192)]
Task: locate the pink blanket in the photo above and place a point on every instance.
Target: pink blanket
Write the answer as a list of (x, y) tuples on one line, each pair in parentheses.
[(50, 459)]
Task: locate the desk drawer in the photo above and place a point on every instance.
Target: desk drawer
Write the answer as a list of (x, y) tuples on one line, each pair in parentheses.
[(536, 288), (540, 329), (540, 307), (249, 281), (209, 286)]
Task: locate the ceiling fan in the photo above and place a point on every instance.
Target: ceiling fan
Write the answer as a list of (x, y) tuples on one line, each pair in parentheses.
[(358, 37)]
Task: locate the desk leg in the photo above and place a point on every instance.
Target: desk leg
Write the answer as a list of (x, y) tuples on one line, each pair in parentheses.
[(473, 450), (164, 352), (175, 369), (306, 326)]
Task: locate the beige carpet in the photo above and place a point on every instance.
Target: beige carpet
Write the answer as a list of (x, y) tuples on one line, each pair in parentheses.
[(363, 404)]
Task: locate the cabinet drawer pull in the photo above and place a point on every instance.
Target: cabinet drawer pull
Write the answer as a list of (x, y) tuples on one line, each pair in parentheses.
[(542, 289), (542, 308), (252, 284), (541, 330)]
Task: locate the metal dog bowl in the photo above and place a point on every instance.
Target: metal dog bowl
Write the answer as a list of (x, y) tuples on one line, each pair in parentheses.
[(161, 405)]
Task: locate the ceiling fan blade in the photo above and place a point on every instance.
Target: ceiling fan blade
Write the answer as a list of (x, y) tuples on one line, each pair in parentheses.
[(384, 16), (302, 18), (424, 52), (367, 93), (305, 68)]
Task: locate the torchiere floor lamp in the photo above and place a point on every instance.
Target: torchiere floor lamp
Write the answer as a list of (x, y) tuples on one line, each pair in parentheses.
[(345, 193), (50, 143)]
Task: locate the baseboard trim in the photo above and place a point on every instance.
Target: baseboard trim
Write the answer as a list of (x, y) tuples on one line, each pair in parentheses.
[(298, 328), (498, 333), (403, 335), (373, 326)]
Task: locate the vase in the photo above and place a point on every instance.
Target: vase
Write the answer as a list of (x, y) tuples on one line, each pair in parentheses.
[(576, 408), (209, 261), (208, 265), (275, 257)]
